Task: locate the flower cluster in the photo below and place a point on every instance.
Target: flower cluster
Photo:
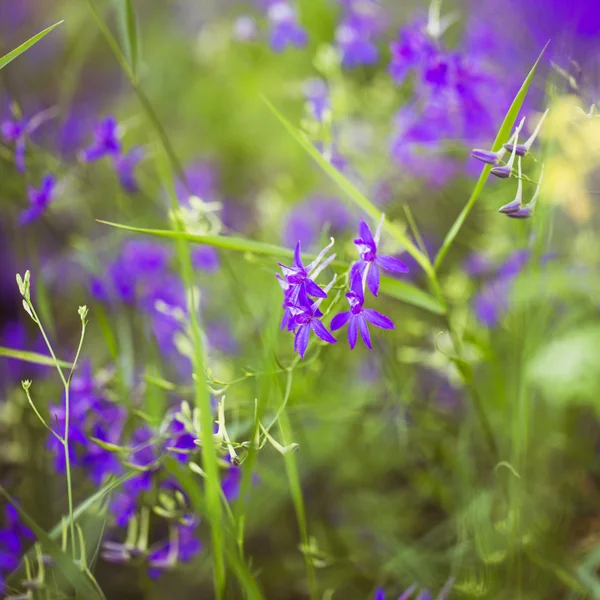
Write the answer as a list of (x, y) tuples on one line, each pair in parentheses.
[(285, 29), (107, 143), (515, 209), (361, 22), (302, 298), (364, 274)]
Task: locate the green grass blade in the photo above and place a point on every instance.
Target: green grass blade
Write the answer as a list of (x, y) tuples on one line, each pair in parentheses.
[(32, 357), (401, 290), (503, 135), (355, 195), (64, 563), (210, 465), (7, 58), (128, 25)]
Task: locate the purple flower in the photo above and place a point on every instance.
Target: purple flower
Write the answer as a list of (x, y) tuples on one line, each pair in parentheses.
[(306, 318), (413, 49), (202, 181), (358, 317), (106, 142), (14, 132), (125, 165), (309, 219), (12, 533), (181, 442), (370, 261), (182, 546), (205, 258), (361, 23), (285, 29), (39, 199), (316, 93)]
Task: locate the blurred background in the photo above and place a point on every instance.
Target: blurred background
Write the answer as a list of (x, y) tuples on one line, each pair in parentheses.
[(397, 480)]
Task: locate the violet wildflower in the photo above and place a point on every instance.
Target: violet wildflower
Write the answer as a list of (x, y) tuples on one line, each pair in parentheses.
[(285, 28), (106, 142), (181, 547), (205, 258), (523, 149), (413, 48), (14, 132), (358, 316), (505, 171), (39, 199), (12, 534), (316, 93), (125, 165), (306, 317), (370, 260), (362, 21)]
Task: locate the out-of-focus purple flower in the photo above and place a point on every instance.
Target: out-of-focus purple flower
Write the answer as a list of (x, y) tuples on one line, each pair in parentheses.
[(362, 21), (316, 93), (370, 260), (221, 338), (125, 165), (181, 442), (181, 547), (205, 258), (14, 335), (39, 199), (307, 220), (12, 533), (285, 30), (358, 317), (106, 141), (14, 132), (413, 49), (245, 29), (202, 181), (230, 483)]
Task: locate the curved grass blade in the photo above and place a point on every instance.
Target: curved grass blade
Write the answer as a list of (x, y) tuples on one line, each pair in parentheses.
[(128, 25), (64, 563), (400, 290), (355, 195), (503, 135), (32, 357), (7, 58)]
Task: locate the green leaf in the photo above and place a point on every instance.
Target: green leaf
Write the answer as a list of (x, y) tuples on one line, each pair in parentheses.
[(128, 25), (32, 357), (355, 195), (401, 290), (7, 58), (503, 135), (64, 563)]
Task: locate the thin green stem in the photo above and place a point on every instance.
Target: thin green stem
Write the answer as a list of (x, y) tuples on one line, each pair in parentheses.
[(39, 416)]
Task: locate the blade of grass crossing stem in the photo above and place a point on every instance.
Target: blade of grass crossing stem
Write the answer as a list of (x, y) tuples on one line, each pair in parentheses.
[(32, 357), (128, 26), (291, 467), (503, 135), (210, 465), (355, 195), (83, 586), (7, 58), (401, 290)]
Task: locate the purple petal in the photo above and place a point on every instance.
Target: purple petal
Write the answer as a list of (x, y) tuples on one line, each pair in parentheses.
[(366, 235), (298, 257), (364, 331), (373, 279), (321, 331), (391, 264), (31, 214), (301, 340), (312, 289), (377, 319), (352, 333), (20, 154), (379, 594), (340, 320)]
